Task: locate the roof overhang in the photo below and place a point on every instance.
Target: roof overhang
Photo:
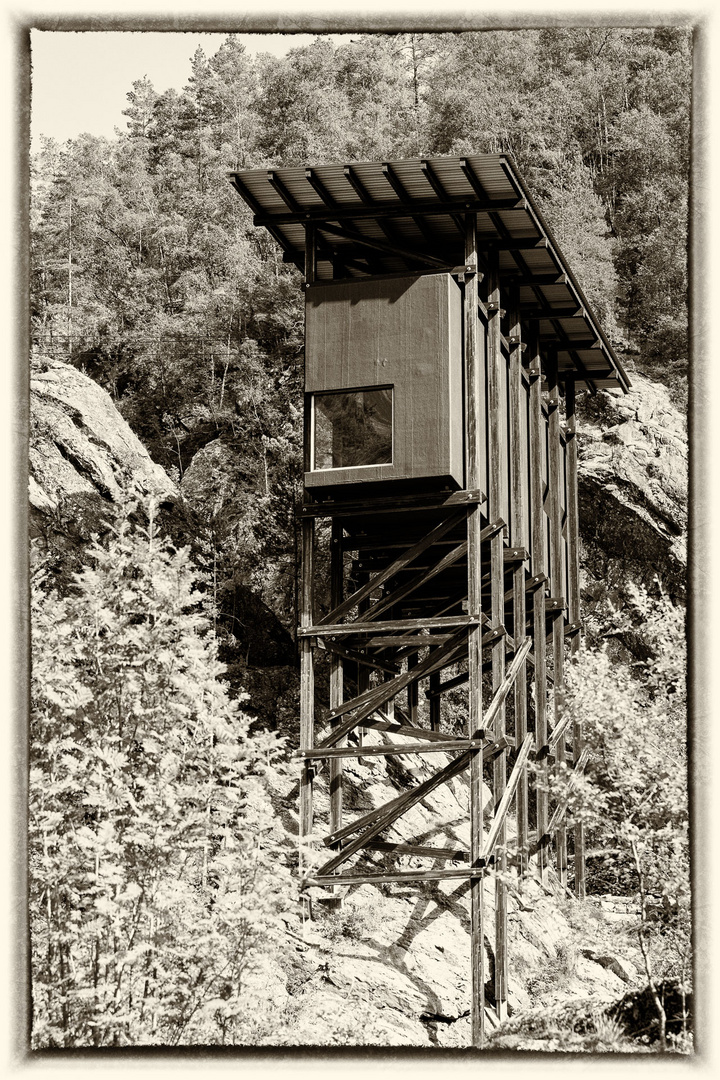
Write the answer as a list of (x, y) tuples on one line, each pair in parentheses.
[(399, 217)]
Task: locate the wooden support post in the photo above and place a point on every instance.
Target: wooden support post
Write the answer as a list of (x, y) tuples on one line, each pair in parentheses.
[(435, 700), (412, 691), (537, 566), (573, 556), (518, 460), (307, 675), (557, 585), (496, 406), (363, 683), (307, 680), (335, 765), (475, 383)]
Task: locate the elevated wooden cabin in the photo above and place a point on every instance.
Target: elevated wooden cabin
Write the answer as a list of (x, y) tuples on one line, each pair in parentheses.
[(444, 334)]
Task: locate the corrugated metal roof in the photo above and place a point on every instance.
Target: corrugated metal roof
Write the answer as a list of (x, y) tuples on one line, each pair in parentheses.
[(406, 216)]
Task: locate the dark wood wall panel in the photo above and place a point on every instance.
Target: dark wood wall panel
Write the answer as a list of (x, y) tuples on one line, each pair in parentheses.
[(403, 332)]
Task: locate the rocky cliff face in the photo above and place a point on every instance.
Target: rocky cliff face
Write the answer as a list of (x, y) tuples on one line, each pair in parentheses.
[(79, 443), (83, 458), (633, 481), (632, 490)]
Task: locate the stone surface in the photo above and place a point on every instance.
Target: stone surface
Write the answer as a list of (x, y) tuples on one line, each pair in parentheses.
[(632, 464), (617, 964), (79, 443)]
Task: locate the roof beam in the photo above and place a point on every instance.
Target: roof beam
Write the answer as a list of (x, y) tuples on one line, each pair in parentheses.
[(318, 187), (564, 342), (473, 179), (537, 313), (371, 211), (396, 184), (381, 245), (355, 183), (435, 183), (278, 186), (368, 209)]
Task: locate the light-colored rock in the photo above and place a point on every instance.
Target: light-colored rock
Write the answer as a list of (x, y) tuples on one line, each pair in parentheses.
[(633, 478), (80, 444), (617, 964)]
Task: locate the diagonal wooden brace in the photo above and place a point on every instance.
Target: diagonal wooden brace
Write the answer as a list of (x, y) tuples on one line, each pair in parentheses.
[(392, 568), (373, 699), (506, 685), (556, 735), (504, 805), (415, 583), (380, 819)]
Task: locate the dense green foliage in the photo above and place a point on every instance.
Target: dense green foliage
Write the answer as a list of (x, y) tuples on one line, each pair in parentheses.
[(156, 863), (633, 797)]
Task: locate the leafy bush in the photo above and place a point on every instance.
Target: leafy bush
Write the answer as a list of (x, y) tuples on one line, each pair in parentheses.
[(156, 865), (634, 794)]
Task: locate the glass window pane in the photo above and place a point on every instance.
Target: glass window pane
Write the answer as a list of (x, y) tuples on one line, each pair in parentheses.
[(353, 428)]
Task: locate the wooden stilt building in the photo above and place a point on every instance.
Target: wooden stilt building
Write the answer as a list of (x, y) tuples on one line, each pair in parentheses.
[(444, 330)]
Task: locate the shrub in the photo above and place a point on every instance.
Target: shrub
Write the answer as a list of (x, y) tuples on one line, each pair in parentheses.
[(155, 861), (634, 795)]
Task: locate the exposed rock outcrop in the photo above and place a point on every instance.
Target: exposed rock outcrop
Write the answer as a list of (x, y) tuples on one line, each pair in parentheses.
[(79, 443), (633, 484)]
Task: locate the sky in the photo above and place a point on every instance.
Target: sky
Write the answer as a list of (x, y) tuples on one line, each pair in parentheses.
[(80, 80)]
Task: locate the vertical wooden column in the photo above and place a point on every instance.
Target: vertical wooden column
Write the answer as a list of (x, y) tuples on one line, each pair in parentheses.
[(474, 382), (573, 554), (412, 691), (435, 701), (497, 605), (363, 683), (555, 479), (307, 674), (335, 766), (537, 565), (517, 523)]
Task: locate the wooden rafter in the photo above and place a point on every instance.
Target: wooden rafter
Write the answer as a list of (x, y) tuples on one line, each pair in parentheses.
[(276, 183)]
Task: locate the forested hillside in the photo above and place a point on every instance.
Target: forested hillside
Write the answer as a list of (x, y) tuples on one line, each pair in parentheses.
[(149, 277)]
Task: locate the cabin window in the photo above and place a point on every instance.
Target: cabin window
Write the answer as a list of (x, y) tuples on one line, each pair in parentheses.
[(353, 428)]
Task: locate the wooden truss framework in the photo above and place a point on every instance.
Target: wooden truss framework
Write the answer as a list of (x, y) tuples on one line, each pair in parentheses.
[(422, 583), (514, 616)]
